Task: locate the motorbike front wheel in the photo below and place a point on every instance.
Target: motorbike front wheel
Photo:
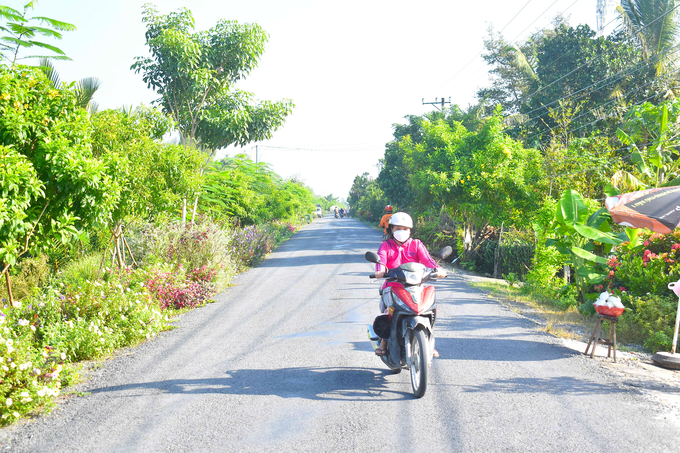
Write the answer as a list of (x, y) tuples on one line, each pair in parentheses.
[(419, 368)]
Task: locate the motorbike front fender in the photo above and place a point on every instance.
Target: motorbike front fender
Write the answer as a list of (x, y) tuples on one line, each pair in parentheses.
[(411, 322)]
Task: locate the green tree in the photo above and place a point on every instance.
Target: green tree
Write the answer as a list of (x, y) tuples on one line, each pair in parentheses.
[(52, 186), (152, 177), (195, 74), (485, 177), (20, 32)]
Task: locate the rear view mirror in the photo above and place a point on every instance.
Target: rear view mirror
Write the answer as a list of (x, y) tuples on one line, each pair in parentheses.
[(445, 252), (372, 257)]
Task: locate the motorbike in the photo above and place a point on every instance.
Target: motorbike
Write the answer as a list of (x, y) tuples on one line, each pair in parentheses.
[(336, 215), (408, 325)]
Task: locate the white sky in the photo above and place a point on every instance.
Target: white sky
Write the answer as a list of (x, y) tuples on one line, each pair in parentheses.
[(353, 68)]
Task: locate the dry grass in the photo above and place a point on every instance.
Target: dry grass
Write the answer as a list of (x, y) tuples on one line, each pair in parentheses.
[(569, 324)]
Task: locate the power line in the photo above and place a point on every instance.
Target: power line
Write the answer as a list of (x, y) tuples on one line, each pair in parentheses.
[(480, 52), (601, 55), (638, 87), (541, 15), (332, 150), (642, 65)]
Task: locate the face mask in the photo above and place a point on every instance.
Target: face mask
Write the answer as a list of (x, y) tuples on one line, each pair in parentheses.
[(401, 235)]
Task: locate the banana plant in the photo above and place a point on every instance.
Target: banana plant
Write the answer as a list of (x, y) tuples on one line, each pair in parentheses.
[(577, 233)]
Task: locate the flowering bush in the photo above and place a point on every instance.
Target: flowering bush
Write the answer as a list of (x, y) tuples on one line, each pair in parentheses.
[(172, 291), (203, 246), (251, 244), (29, 377), (640, 277)]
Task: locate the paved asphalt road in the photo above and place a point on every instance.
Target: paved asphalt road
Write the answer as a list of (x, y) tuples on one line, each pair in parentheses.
[(281, 363)]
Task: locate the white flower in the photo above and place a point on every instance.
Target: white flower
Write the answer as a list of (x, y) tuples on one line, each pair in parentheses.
[(9, 342), (4, 367), (13, 365), (16, 414), (63, 356), (41, 393), (8, 402), (25, 394), (32, 327), (10, 349)]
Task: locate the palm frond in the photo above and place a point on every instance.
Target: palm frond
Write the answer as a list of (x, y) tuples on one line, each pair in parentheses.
[(631, 26), (48, 68), (85, 89), (626, 182)]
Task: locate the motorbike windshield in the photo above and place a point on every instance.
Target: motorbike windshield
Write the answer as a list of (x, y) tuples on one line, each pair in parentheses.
[(413, 272)]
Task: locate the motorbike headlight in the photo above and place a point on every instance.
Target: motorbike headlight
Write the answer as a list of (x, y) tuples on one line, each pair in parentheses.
[(413, 278)]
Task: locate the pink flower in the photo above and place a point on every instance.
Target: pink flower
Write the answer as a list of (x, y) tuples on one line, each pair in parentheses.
[(675, 246), (646, 243)]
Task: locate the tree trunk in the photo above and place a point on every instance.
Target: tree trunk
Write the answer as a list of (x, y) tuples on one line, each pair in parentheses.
[(496, 255), (184, 212), (9, 288)]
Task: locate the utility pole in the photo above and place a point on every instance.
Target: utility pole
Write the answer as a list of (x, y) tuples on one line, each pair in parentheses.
[(437, 102)]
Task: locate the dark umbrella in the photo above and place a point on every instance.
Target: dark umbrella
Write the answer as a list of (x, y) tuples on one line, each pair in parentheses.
[(658, 210)]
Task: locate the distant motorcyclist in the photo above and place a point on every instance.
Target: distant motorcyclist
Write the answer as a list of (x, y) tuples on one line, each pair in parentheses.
[(385, 220), (342, 212)]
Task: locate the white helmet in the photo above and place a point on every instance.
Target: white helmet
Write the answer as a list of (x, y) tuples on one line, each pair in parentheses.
[(401, 219)]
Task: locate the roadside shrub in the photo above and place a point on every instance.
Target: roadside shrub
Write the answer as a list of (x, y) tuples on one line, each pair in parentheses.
[(29, 274), (171, 289), (203, 246), (251, 244), (80, 269), (29, 377), (649, 320)]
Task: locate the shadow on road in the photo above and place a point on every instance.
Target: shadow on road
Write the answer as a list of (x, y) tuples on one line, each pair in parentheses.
[(558, 385), (500, 349), (309, 383)]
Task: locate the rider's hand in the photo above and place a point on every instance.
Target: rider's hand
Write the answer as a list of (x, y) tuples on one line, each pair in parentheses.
[(441, 272), (379, 274)]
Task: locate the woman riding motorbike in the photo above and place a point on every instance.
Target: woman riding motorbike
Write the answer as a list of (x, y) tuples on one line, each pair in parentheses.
[(400, 248)]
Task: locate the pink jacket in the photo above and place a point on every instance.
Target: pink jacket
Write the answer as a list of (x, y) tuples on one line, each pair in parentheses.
[(393, 255)]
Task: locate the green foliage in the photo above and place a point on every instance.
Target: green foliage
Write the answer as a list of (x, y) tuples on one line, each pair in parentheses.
[(152, 177), (367, 201), (577, 233), (195, 73), (20, 30), (649, 320), (55, 185), (30, 274), (252, 193)]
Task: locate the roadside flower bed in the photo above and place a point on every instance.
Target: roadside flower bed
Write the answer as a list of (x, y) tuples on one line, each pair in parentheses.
[(640, 277), (83, 318)]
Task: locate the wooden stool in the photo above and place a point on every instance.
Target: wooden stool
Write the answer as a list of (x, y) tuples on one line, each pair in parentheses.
[(595, 337)]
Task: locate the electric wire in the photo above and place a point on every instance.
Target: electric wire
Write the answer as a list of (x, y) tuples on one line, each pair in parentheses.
[(481, 51), (552, 62), (627, 71), (602, 54), (588, 111)]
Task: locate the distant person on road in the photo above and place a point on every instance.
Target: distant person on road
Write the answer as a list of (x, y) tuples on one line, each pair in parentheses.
[(385, 221), (342, 212), (336, 212), (400, 248)]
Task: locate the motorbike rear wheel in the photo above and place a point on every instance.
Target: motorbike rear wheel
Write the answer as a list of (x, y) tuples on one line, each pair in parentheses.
[(419, 368)]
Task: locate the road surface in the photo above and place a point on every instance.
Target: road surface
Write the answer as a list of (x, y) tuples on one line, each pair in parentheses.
[(280, 362)]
